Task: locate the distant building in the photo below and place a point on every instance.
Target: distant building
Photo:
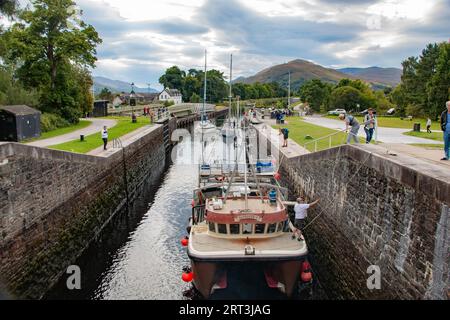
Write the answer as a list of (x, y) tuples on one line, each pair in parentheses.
[(19, 122), (171, 95)]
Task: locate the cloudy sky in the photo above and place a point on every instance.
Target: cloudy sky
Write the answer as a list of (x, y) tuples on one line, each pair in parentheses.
[(141, 38)]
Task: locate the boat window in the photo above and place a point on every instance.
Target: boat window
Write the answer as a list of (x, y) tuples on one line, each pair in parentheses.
[(272, 227), (234, 228), (222, 228), (247, 228), (259, 228), (212, 227), (280, 226)]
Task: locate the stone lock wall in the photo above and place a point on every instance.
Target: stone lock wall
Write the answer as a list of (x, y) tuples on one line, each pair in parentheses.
[(53, 203), (375, 210)]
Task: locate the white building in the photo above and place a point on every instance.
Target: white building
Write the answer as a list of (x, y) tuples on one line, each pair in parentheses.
[(170, 95)]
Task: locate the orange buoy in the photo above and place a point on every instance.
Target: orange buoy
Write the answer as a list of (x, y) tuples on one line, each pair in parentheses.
[(184, 242), (306, 276), (187, 276), (277, 176)]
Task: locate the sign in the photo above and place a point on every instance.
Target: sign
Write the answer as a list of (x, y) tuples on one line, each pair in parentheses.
[(248, 217)]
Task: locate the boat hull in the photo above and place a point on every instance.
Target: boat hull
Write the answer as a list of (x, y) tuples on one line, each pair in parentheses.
[(278, 278)]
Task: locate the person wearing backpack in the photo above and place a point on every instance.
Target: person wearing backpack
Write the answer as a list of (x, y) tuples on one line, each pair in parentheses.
[(285, 133), (350, 121), (369, 124)]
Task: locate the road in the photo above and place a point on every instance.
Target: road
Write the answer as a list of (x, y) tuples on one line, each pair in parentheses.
[(386, 135), (96, 126)]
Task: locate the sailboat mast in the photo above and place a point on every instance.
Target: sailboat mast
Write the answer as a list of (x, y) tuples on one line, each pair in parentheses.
[(204, 91), (229, 82), (289, 90)]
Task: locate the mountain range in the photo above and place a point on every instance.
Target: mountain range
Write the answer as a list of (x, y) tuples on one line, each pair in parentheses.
[(117, 86), (302, 71)]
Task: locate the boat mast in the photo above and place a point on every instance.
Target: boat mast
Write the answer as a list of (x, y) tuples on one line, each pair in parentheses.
[(289, 90), (203, 113), (229, 94), (245, 166)]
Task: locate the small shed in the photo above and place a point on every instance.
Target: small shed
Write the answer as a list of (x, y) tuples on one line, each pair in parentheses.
[(19, 122), (100, 108)]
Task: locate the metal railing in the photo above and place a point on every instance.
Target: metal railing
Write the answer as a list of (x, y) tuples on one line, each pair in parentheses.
[(329, 137)]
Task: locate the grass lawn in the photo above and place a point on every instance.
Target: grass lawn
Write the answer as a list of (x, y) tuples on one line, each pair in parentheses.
[(92, 141), (58, 132), (395, 122), (299, 129), (438, 136), (428, 146)]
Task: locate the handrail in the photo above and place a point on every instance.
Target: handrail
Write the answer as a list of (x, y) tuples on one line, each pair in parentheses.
[(322, 138)]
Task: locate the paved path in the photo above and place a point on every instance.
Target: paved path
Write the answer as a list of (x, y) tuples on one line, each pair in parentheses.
[(96, 126), (386, 135), (424, 153)]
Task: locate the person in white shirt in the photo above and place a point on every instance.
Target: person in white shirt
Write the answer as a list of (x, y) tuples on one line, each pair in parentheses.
[(301, 213), (105, 137), (428, 125)]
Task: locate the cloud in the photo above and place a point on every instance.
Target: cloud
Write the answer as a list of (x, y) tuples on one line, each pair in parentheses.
[(142, 38)]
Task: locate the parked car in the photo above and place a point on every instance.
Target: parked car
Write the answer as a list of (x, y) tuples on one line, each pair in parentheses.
[(364, 112), (337, 112), (391, 111)]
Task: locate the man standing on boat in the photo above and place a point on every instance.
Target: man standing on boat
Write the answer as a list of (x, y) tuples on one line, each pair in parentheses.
[(301, 213)]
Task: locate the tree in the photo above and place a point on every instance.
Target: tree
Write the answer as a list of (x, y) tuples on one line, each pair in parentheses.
[(8, 7), (195, 98), (346, 97), (51, 47), (106, 94), (173, 78), (316, 93), (438, 88)]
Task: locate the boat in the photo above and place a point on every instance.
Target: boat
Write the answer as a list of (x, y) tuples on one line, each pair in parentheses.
[(240, 218)]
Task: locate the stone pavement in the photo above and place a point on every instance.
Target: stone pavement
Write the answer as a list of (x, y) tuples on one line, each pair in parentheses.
[(96, 126), (428, 154)]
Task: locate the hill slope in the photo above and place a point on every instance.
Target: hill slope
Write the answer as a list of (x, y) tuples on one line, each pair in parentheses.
[(390, 76), (116, 86), (301, 71)]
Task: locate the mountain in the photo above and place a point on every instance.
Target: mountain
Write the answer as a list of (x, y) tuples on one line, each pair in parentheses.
[(117, 86), (301, 71), (390, 76)]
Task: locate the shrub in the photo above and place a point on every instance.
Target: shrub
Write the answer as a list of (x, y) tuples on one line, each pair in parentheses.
[(51, 121)]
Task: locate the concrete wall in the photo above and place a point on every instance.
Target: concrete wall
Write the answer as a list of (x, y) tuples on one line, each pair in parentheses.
[(375, 209), (53, 203)]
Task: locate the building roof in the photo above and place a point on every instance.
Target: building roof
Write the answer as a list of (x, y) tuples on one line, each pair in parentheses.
[(172, 92), (19, 110)]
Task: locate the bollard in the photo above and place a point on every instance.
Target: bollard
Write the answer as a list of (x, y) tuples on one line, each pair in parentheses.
[(416, 127), (81, 137)]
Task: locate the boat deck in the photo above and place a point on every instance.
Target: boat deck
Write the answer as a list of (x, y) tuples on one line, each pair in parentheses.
[(204, 246), (254, 205)]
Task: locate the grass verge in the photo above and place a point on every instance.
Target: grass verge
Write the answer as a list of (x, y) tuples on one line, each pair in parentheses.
[(299, 130), (92, 141), (60, 131), (437, 136)]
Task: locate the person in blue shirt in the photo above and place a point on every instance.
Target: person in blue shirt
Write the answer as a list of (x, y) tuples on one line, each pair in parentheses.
[(445, 126)]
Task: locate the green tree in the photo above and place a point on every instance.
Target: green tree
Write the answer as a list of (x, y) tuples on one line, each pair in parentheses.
[(51, 47), (173, 78), (106, 94), (438, 88), (316, 93), (346, 97), (195, 98)]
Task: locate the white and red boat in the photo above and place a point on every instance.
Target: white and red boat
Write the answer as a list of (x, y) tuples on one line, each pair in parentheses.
[(243, 226)]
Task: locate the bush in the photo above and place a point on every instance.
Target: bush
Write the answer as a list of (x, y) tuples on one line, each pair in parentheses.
[(414, 111), (51, 121)]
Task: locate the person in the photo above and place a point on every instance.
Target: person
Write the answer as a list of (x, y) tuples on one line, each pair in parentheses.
[(350, 121), (369, 124), (301, 213), (285, 133), (105, 137), (445, 126), (428, 125)]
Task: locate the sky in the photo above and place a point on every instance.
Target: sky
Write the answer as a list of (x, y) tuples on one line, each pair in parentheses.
[(141, 38)]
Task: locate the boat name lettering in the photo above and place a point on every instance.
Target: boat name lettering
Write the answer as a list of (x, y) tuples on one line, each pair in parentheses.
[(248, 217)]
